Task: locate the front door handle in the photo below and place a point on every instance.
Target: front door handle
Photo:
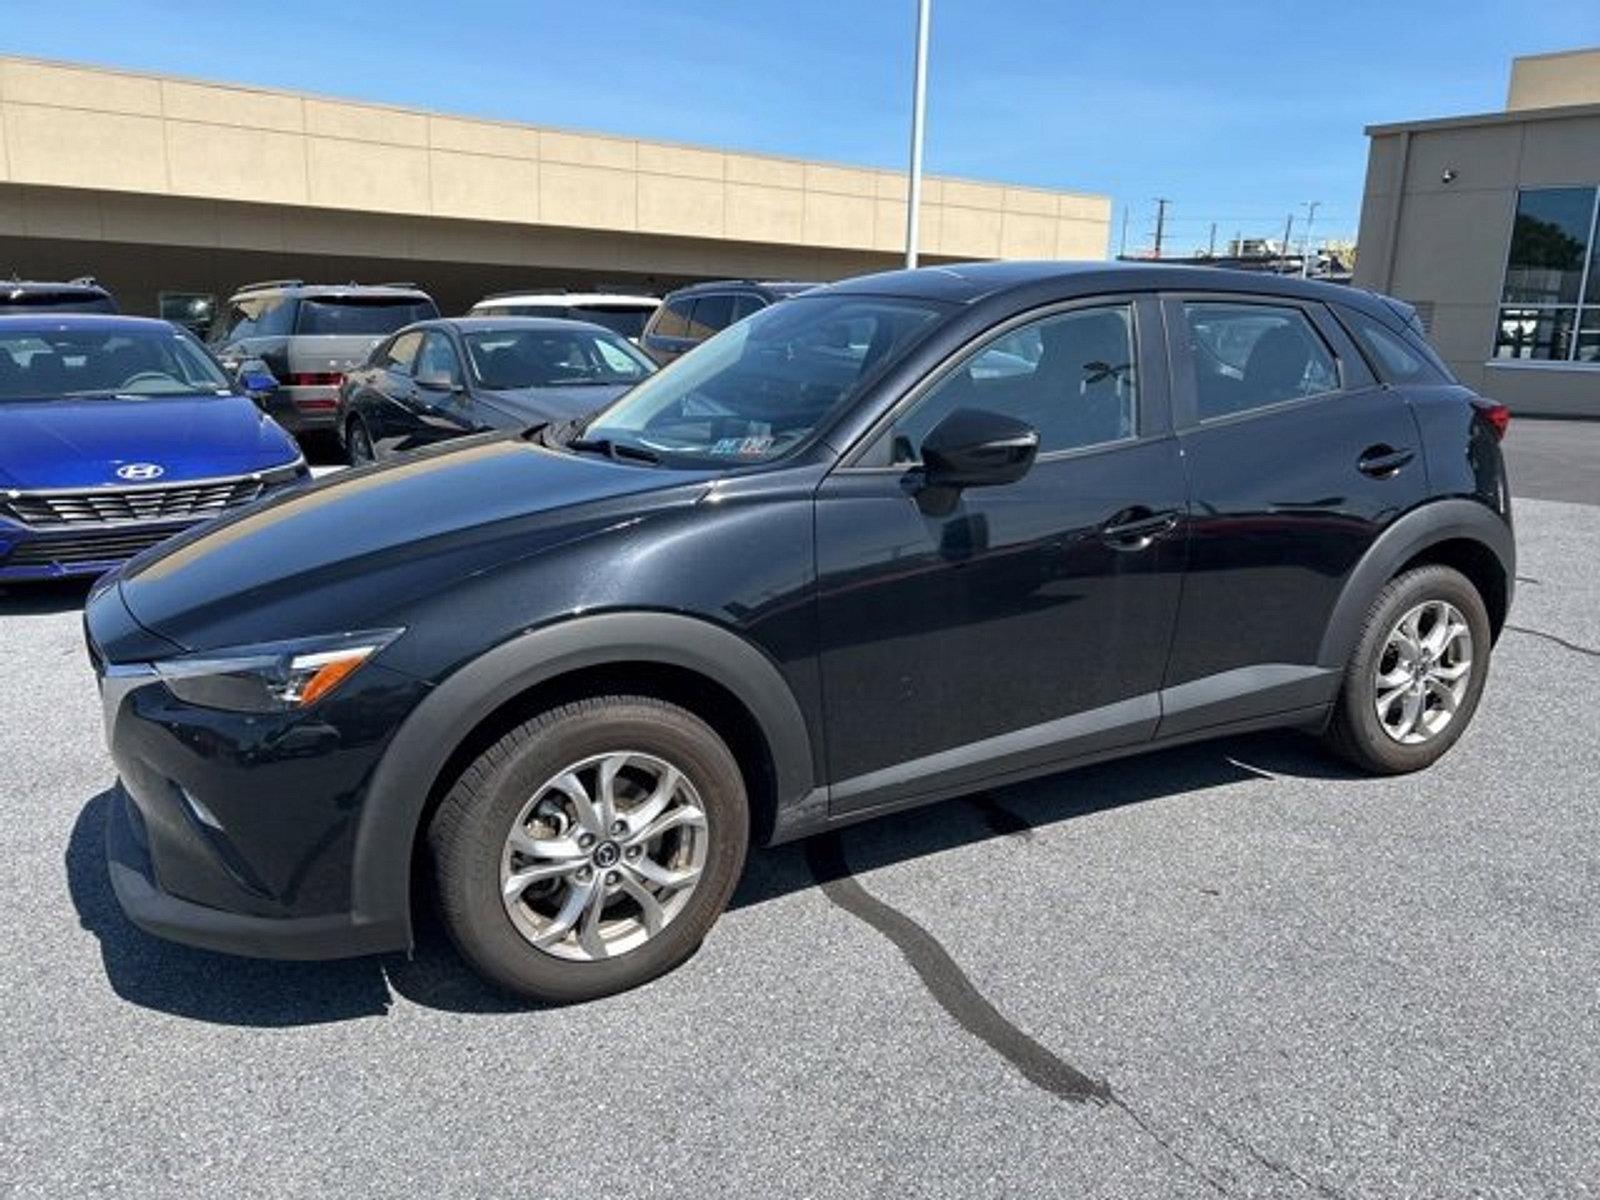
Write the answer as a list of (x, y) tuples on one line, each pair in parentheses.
[(1136, 528), (1383, 461)]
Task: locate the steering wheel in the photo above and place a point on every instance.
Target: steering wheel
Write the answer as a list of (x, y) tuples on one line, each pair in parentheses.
[(146, 377)]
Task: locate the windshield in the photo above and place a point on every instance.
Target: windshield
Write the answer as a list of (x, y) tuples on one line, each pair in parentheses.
[(44, 362), (506, 359), (758, 389), (362, 315)]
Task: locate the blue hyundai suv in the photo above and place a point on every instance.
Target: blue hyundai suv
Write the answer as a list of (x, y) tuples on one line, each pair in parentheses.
[(115, 433)]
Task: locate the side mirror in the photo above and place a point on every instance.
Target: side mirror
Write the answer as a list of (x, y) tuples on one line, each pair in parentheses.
[(255, 379), (974, 448)]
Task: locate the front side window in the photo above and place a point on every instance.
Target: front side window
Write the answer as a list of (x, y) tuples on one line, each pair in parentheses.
[(1249, 356), (40, 363), (757, 390), (513, 358), (437, 360), (1552, 282), (1070, 376)]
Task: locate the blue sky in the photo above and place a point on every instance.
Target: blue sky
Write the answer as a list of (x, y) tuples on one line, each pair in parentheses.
[(1237, 112)]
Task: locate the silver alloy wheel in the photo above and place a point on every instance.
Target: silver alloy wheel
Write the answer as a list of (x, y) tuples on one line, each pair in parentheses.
[(1423, 672), (603, 856)]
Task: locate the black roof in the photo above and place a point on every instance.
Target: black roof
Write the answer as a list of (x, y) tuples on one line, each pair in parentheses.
[(968, 283), (769, 287)]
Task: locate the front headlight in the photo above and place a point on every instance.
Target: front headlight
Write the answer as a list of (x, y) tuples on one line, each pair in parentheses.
[(287, 473), (273, 677)]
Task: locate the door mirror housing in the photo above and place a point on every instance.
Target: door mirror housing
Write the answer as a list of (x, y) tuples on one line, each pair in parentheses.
[(255, 379), (975, 448)]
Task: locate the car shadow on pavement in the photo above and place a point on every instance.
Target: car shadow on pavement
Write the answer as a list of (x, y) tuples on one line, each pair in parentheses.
[(50, 596), (229, 990)]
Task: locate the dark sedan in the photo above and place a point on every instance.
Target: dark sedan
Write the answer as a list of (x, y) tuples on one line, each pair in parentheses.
[(444, 379)]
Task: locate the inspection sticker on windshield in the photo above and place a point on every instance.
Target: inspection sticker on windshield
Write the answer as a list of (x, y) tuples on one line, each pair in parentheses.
[(750, 447)]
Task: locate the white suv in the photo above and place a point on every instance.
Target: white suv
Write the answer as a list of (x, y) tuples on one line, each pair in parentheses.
[(622, 313)]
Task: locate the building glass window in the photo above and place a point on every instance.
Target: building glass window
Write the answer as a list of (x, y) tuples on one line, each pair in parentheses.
[(1552, 278)]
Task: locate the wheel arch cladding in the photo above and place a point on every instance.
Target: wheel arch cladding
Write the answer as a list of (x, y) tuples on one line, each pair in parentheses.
[(685, 660), (1464, 534)]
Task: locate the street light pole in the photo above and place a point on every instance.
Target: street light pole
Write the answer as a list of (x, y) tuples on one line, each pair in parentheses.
[(919, 99), (1305, 256)]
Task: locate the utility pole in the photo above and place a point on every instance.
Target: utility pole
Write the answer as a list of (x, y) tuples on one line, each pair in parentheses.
[(1122, 251), (919, 103), (1211, 248), (1161, 222), (1305, 256), (1288, 230)]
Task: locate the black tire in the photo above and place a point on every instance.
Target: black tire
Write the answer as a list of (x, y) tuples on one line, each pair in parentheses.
[(468, 835), (358, 444), (1355, 733)]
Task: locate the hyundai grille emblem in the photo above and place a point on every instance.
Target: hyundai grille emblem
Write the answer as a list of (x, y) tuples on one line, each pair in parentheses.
[(140, 472)]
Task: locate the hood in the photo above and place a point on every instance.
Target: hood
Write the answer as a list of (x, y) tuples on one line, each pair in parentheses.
[(82, 443), (340, 553), (555, 403)]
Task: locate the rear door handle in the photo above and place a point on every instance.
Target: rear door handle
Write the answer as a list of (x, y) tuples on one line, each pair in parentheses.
[(1383, 462), (1136, 528)]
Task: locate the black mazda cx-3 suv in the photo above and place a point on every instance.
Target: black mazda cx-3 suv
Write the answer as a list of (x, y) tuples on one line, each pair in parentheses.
[(890, 541)]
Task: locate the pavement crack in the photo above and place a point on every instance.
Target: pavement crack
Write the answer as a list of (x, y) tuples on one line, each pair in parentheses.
[(1000, 819), (1560, 641), (1530, 579), (1274, 1165), (947, 983)]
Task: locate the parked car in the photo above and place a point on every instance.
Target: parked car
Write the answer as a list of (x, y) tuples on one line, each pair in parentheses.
[(690, 315), (442, 379), (819, 570), (81, 295), (115, 433), (309, 335), (617, 311)]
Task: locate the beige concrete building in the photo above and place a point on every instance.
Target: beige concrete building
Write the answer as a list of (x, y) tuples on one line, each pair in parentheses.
[(158, 185), (1488, 225)]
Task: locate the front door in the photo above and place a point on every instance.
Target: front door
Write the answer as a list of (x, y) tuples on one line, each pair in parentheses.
[(1014, 626)]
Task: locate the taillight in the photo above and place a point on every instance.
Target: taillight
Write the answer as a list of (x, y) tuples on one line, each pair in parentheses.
[(1498, 416), (315, 379)]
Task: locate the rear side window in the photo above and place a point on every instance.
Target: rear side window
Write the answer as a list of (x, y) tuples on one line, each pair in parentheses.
[(1249, 356), (362, 315), (712, 314), (745, 304), (400, 353), (1393, 358), (674, 320)]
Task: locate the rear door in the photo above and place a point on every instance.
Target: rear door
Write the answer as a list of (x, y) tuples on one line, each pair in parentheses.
[(1297, 460)]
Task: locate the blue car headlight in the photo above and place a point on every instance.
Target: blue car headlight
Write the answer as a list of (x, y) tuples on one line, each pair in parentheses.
[(287, 473), (274, 677)]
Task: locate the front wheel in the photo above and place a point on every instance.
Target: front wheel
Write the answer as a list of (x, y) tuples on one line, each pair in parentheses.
[(590, 849), (1416, 675)]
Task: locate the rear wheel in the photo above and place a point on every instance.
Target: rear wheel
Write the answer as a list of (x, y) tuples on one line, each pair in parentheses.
[(1417, 673), (358, 444), (591, 848)]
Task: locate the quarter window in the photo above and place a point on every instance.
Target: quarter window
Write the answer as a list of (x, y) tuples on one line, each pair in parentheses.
[(1396, 359), (1249, 356), (1071, 376), (398, 357), (1552, 284)]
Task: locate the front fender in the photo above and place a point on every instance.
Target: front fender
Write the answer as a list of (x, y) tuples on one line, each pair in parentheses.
[(1432, 524), (398, 792)]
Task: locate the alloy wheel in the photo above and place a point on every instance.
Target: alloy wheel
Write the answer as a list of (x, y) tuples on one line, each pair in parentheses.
[(1423, 672), (603, 856)]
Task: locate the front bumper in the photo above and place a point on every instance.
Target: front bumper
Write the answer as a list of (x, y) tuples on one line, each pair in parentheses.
[(237, 831)]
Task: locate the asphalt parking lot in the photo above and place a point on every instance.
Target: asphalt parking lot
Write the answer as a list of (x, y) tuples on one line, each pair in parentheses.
[(1232, 968)]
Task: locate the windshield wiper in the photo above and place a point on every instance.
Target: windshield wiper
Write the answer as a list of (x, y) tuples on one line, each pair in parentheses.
[(615, 450)]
